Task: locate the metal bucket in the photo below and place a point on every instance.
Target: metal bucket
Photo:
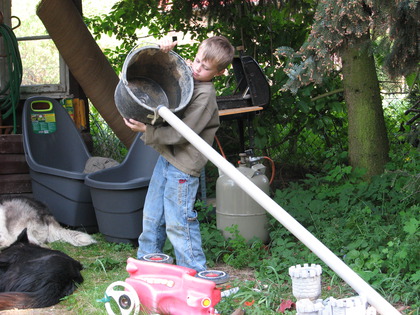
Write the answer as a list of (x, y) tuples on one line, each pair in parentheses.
[(151, 78)]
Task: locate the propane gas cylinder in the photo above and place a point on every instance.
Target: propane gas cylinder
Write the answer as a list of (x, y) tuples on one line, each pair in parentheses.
[(236, 207)]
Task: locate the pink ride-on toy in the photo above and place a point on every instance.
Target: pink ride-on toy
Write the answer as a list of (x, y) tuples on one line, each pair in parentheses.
[(164, 289)]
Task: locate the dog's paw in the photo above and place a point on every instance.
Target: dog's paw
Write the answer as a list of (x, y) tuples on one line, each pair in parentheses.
[(83, 239)]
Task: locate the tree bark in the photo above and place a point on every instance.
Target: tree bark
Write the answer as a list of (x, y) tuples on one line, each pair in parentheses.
[(368, 140)]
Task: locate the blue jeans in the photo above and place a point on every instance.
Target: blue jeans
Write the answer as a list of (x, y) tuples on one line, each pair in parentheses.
[(169, 212)]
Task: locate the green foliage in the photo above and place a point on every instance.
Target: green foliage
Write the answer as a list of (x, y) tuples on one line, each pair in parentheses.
[(379, 235), (214, 243), (255, 27), (105, 264), (373, 226), (235, 251), (242, 253), (256, 297), (377, 222), (294, 127), (305, 124), (339, 24), (105, 142), (403, 130)]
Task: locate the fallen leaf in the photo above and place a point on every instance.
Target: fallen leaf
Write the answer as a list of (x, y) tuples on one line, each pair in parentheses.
[(249, 303), (285, 305)]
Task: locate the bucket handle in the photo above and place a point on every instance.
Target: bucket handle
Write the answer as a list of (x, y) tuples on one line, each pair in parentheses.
[(155, 115), (151, 45)]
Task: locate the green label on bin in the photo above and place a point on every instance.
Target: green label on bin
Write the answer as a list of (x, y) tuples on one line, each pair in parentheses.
[(43, 123)]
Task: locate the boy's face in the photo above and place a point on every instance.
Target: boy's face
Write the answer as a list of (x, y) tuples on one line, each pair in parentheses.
[(204, 70)]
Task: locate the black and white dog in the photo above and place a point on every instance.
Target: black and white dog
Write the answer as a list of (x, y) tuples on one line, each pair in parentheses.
[(32, 276), (18, 213)]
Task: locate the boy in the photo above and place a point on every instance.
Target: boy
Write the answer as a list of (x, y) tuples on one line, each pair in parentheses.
[(169, 205)]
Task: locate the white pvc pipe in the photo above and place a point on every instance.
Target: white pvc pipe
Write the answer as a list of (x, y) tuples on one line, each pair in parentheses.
[(318, 248)]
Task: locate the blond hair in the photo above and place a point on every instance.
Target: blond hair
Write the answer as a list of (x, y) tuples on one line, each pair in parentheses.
[(217, 49)]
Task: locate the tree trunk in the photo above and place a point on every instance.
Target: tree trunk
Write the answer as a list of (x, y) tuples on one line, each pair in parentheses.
[(368, 141)]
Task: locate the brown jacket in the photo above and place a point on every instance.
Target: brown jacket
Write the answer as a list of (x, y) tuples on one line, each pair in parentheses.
[(202, 116)]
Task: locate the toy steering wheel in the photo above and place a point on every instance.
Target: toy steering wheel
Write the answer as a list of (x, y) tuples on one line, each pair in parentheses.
[(127, 300)]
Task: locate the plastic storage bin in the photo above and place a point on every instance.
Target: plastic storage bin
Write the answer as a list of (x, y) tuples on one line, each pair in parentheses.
[(56, 155), (118, 193)]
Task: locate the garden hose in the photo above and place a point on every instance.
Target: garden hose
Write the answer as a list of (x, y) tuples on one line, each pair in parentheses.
[(10, 93)]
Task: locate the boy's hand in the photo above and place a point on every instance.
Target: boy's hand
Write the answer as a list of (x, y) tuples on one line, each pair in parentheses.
[(166, 44), (135, 125)]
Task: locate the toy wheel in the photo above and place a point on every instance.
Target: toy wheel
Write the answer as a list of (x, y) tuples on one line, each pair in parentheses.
[(127, 300), (158, 258), (216, 276)]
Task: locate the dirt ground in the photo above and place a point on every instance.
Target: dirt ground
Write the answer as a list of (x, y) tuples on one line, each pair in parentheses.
[(241, 275)]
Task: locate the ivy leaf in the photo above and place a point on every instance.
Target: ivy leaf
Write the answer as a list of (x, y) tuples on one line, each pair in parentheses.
[(415, 277), (411, 226)]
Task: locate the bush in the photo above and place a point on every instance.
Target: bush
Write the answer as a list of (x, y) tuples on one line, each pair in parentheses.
[(372, 226)]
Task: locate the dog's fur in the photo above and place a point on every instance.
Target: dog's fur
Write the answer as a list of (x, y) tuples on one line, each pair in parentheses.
[(18, 213), (33, 277)]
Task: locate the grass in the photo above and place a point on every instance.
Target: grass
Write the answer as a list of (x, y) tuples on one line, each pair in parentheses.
[(104, 263), (261, 271)]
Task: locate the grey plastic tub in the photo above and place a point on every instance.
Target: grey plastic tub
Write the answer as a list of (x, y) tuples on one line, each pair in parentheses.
[(56, 155), (118, 193)]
